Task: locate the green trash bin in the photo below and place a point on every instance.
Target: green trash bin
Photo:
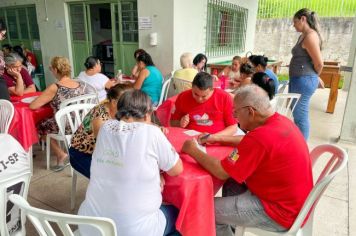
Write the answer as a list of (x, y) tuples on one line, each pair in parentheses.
[(40, 82)]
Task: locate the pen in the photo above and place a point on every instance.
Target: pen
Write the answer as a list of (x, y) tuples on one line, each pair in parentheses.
[(205, 136)]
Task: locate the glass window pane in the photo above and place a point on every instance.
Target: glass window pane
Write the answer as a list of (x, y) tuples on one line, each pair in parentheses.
[(77, 22), (32, 21), (12, 24)]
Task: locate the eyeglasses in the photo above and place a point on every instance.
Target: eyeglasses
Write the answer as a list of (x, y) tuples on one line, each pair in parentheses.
[(240, 108)]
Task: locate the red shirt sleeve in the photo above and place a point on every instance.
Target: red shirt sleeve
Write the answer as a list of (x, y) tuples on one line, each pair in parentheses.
[(26, 77), (250, 154), (178, 113)]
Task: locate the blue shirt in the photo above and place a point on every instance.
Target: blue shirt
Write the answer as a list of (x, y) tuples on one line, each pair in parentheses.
[(270, 74), (152, 85)]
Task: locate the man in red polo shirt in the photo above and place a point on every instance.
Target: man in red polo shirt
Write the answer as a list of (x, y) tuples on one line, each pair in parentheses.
[(204, 108), (271, 161)]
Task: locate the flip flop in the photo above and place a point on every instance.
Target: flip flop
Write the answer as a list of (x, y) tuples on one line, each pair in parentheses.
[(61, 167)]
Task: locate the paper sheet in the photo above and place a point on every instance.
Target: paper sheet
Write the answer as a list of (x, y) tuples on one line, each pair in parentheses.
[(201, 147), (192, 132)]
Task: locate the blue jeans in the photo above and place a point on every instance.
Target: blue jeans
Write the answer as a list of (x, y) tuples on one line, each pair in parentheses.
[(306, 86), (80, 161), (171, 214)]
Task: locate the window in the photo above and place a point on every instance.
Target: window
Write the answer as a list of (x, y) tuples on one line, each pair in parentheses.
[(226, 28), (21, 22), (129, 22), (77, 22)]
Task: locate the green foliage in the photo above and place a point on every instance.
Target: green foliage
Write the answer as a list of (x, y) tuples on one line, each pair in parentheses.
[(324, 8)]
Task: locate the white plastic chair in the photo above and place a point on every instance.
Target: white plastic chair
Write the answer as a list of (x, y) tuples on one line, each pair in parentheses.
[(336, 162), (91, 98), (6, 115), (282, 88), (41, 219), (15, 178), (284, 103), (164, 91), (73, 116)]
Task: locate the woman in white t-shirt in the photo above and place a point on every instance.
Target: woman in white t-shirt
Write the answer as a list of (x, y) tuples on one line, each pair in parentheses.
[(125, 170), (96, 79)]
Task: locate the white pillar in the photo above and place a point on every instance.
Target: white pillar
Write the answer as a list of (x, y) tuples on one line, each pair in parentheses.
[(348, 128)]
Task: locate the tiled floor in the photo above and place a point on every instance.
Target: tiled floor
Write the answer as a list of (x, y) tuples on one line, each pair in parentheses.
[(334, 214)]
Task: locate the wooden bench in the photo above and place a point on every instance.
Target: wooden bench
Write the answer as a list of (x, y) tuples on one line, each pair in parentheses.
[(330, 75)]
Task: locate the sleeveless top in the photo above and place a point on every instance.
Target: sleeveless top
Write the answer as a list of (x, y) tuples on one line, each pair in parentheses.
[(301, 63), (152, 85)]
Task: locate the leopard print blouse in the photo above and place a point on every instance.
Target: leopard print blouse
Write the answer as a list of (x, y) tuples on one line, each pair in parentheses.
[(83, 139)]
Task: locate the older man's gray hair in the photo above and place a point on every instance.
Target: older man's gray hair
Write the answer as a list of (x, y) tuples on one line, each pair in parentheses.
[(12, 58), (254, 96)]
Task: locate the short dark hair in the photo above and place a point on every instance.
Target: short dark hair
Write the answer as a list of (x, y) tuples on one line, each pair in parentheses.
[(138, 52), (203, 81), (116, 91), (2, 25), (133, 104), (7, 46), (18, 49), (198, 58), (258, 60), (262, 80), (247, 68), (91, 62), (145, 58)]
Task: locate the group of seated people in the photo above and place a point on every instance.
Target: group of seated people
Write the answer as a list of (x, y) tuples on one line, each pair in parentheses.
[(118, 141)]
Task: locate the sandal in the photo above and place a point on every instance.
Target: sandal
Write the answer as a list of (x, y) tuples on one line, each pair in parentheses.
[(60, 167)]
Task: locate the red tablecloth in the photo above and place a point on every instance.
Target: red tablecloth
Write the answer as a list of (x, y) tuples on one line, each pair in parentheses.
[(193, 190), (164, 111), (23, 125)]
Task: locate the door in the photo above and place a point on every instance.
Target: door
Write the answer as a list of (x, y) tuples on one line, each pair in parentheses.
[(125, 34), (80, 34)]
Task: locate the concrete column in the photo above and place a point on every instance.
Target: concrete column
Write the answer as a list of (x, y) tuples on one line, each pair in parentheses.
[(348, 128), (350, 61)]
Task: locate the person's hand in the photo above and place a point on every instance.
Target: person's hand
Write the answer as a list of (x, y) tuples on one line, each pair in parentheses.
[(184, 121), (206, 138), (189, 146), (162, 182), (14, 73)]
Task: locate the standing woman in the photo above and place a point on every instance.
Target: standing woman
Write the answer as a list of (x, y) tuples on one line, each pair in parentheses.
[(149, 79), (55, 94), (93, 76), (305, 66)]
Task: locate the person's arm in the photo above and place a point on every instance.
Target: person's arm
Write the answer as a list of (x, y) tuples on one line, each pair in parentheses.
[(19, 88), (135, 72), (225, 71), (45, 97), (176, 169), (141, 77), (209, 163), (30, 89), (223, 140), (311, 44), (97, 123), (229, 130), (110, 83), (183, 122)]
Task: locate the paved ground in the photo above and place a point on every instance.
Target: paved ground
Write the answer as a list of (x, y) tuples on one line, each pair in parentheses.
[(334, 215)]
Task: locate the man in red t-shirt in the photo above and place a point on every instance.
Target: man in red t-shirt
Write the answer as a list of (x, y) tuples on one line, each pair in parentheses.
[(204, 108), (18, 80), (271, 161)]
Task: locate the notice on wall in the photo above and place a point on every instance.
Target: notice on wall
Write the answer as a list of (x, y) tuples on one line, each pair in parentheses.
[(36, 45), (144, 22)]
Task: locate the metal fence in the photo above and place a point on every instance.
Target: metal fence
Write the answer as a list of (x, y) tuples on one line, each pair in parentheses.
[(323, 8), (226, 28)]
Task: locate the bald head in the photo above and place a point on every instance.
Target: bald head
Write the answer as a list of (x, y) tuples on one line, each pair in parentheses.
[(254, 96)]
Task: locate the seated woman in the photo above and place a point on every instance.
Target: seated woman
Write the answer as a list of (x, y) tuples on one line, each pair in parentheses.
[(182, 78), (135, 70), (25, 62), (260, 64), (232, 71), (83, 140), (199, 62), (18, 80), (96, 79), (264, 81), (149, 79), (246, 71), (54, 94), (125, 179)]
